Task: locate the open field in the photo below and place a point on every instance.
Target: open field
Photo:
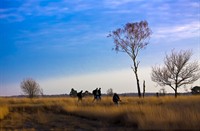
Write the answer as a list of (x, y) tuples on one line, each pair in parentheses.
[(133, 113)]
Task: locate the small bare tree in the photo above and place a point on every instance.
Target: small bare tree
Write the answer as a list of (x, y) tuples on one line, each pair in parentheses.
[(130, 39), (31, 88), (110, 92), (177, 70)]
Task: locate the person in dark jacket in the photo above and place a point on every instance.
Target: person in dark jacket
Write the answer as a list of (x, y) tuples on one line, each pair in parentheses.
[(99, 94), (80, 95), (94, 92), (116, 98)]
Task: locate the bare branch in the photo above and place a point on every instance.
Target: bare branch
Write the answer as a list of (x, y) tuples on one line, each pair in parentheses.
[(177, 70)]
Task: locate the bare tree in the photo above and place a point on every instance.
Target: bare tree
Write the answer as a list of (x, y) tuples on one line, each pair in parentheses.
[(177, 70), (110, 92), (130, 39), (31, 88)]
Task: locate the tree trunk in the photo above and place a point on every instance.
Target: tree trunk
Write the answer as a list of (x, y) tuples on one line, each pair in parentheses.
[(136, 75), (176, 86), (176, 92), (143, 88), (138, 84)]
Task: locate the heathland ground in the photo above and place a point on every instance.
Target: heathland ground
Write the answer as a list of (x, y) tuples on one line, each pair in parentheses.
[(66, 113)]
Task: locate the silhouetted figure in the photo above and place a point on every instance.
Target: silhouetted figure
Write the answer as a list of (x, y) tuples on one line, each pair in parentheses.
[(116, 98), (99, 94), (80, 95), (94, 92), (73, 93)]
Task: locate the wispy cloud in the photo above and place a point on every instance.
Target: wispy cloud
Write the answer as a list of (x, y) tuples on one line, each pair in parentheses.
[(117, 3), (118, 11), (33, 8), (12, 17), (59, 36), (177, 32)]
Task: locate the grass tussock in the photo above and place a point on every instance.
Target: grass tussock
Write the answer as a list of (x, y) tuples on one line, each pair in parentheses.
[(148, 113), (4, 110)]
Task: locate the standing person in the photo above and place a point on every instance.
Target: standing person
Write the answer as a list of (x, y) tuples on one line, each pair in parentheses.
[(99, 94), (80, 95), (94, 92), (116, 98)]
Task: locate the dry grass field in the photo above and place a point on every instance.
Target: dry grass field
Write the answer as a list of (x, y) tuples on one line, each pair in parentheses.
[(150, 113)]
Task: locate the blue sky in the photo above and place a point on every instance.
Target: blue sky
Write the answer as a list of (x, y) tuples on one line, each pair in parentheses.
[(62, 44)]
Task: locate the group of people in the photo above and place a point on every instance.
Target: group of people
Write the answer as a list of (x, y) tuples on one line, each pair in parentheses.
[(97, 96)]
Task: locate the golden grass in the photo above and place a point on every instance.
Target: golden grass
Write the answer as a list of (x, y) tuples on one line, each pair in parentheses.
[(148, 113), (3, 111)]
